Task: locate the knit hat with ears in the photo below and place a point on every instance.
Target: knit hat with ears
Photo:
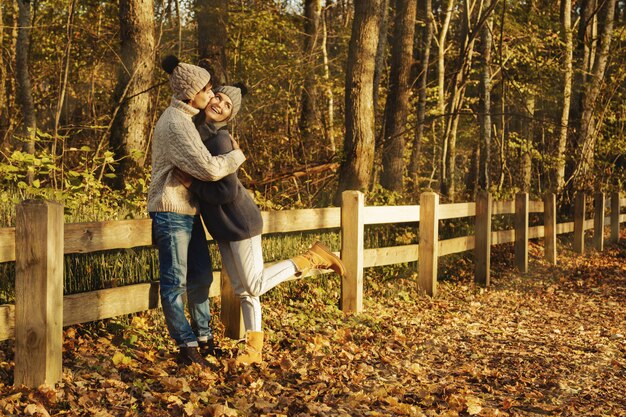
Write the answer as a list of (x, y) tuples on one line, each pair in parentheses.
[(235, 92), (186, 80)]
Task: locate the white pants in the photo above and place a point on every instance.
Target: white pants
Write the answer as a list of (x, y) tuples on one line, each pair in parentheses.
[(243, 261)]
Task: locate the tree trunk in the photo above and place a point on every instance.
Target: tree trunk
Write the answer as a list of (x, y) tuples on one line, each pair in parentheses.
[(502, 123), (381, 53), (329, 120), (3, 75), (471, 10), (471, 183), (212, 21), (566, 34), (441, 88), (456, 100), (396, 108), (584, 41), (24, 89), (484, 180), (356, 168), (129, 132), (179, 27), (427, 39), (528, 129), (587, 127), (309, 121), (379, 69), (63, 86)]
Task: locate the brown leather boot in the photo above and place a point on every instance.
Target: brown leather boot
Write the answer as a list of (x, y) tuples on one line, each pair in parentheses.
[(252, 352), (191, 354), (318, 257)]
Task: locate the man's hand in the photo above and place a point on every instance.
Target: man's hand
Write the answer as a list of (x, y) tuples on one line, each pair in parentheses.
[(183, 177), (234, 142)]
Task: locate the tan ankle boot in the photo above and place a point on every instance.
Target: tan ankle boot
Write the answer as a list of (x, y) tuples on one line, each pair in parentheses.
[(318, 257), (252, 352)]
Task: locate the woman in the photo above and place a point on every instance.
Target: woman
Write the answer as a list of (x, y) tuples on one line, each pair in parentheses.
[(184, 261), (235, 222)]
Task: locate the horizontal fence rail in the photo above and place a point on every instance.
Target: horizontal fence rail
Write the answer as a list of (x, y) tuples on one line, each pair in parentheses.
[(39, 262)]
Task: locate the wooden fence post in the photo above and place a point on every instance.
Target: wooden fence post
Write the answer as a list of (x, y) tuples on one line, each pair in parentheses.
[(579, 223), (549, 227), (615, 211), (38, 293), (230, 312), (598, 221), (428, 252), (521, 232), (352, 246), (482, 250)]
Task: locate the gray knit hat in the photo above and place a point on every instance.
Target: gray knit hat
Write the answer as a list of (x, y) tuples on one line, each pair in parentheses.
[(235, 92), (186, 80)]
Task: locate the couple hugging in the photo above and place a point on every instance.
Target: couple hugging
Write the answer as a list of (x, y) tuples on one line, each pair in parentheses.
[(194, 172)]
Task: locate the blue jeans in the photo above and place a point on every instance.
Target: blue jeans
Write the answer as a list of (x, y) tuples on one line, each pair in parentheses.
[(185, 267)]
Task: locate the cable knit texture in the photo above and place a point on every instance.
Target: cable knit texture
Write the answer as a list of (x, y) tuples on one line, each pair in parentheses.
[(234, 93), (187, 80), (177, 144)]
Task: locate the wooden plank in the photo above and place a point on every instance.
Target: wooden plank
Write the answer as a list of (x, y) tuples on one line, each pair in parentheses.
[(216, 286), (504, 207), (391, 214), (456, 210), (101, 304), (536, 232), (352, 245), (7, 244), (100, 236), (301, 220), (615, 211), (535, 206), (482, 250), (230, 313), (111, 302), (622, 202), (579, 223), (521, 232), (38, 293), (390, 255), (562, 228), (598, 225), (7, 321), (456, 245), (549, 222), (428, 243), (502, 236)]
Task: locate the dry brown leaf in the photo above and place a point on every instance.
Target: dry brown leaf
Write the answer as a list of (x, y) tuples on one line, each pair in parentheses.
[(36, 410)]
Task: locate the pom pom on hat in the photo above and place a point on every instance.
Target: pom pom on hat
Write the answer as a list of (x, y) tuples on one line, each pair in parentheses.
[(169, 63), (235, 92), (186, 80), (241, 86)]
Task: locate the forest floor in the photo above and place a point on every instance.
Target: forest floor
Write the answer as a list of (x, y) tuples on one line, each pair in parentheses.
[(550, 342)]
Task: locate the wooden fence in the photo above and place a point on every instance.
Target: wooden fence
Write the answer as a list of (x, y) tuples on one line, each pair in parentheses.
[(40, 239)]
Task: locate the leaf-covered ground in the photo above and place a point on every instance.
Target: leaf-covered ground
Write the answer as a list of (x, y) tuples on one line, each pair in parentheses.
[(551, 342)]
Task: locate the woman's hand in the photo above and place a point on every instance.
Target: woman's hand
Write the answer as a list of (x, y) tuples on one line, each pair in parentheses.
[(184, 178)]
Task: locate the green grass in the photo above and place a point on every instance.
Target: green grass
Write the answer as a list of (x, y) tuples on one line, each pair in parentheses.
[(100, 270)]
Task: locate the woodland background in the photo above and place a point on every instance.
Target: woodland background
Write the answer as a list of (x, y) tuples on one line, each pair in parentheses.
[(391, 97)]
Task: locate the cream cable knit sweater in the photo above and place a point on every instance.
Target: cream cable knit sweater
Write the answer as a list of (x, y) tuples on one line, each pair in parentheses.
[(177, 144)]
